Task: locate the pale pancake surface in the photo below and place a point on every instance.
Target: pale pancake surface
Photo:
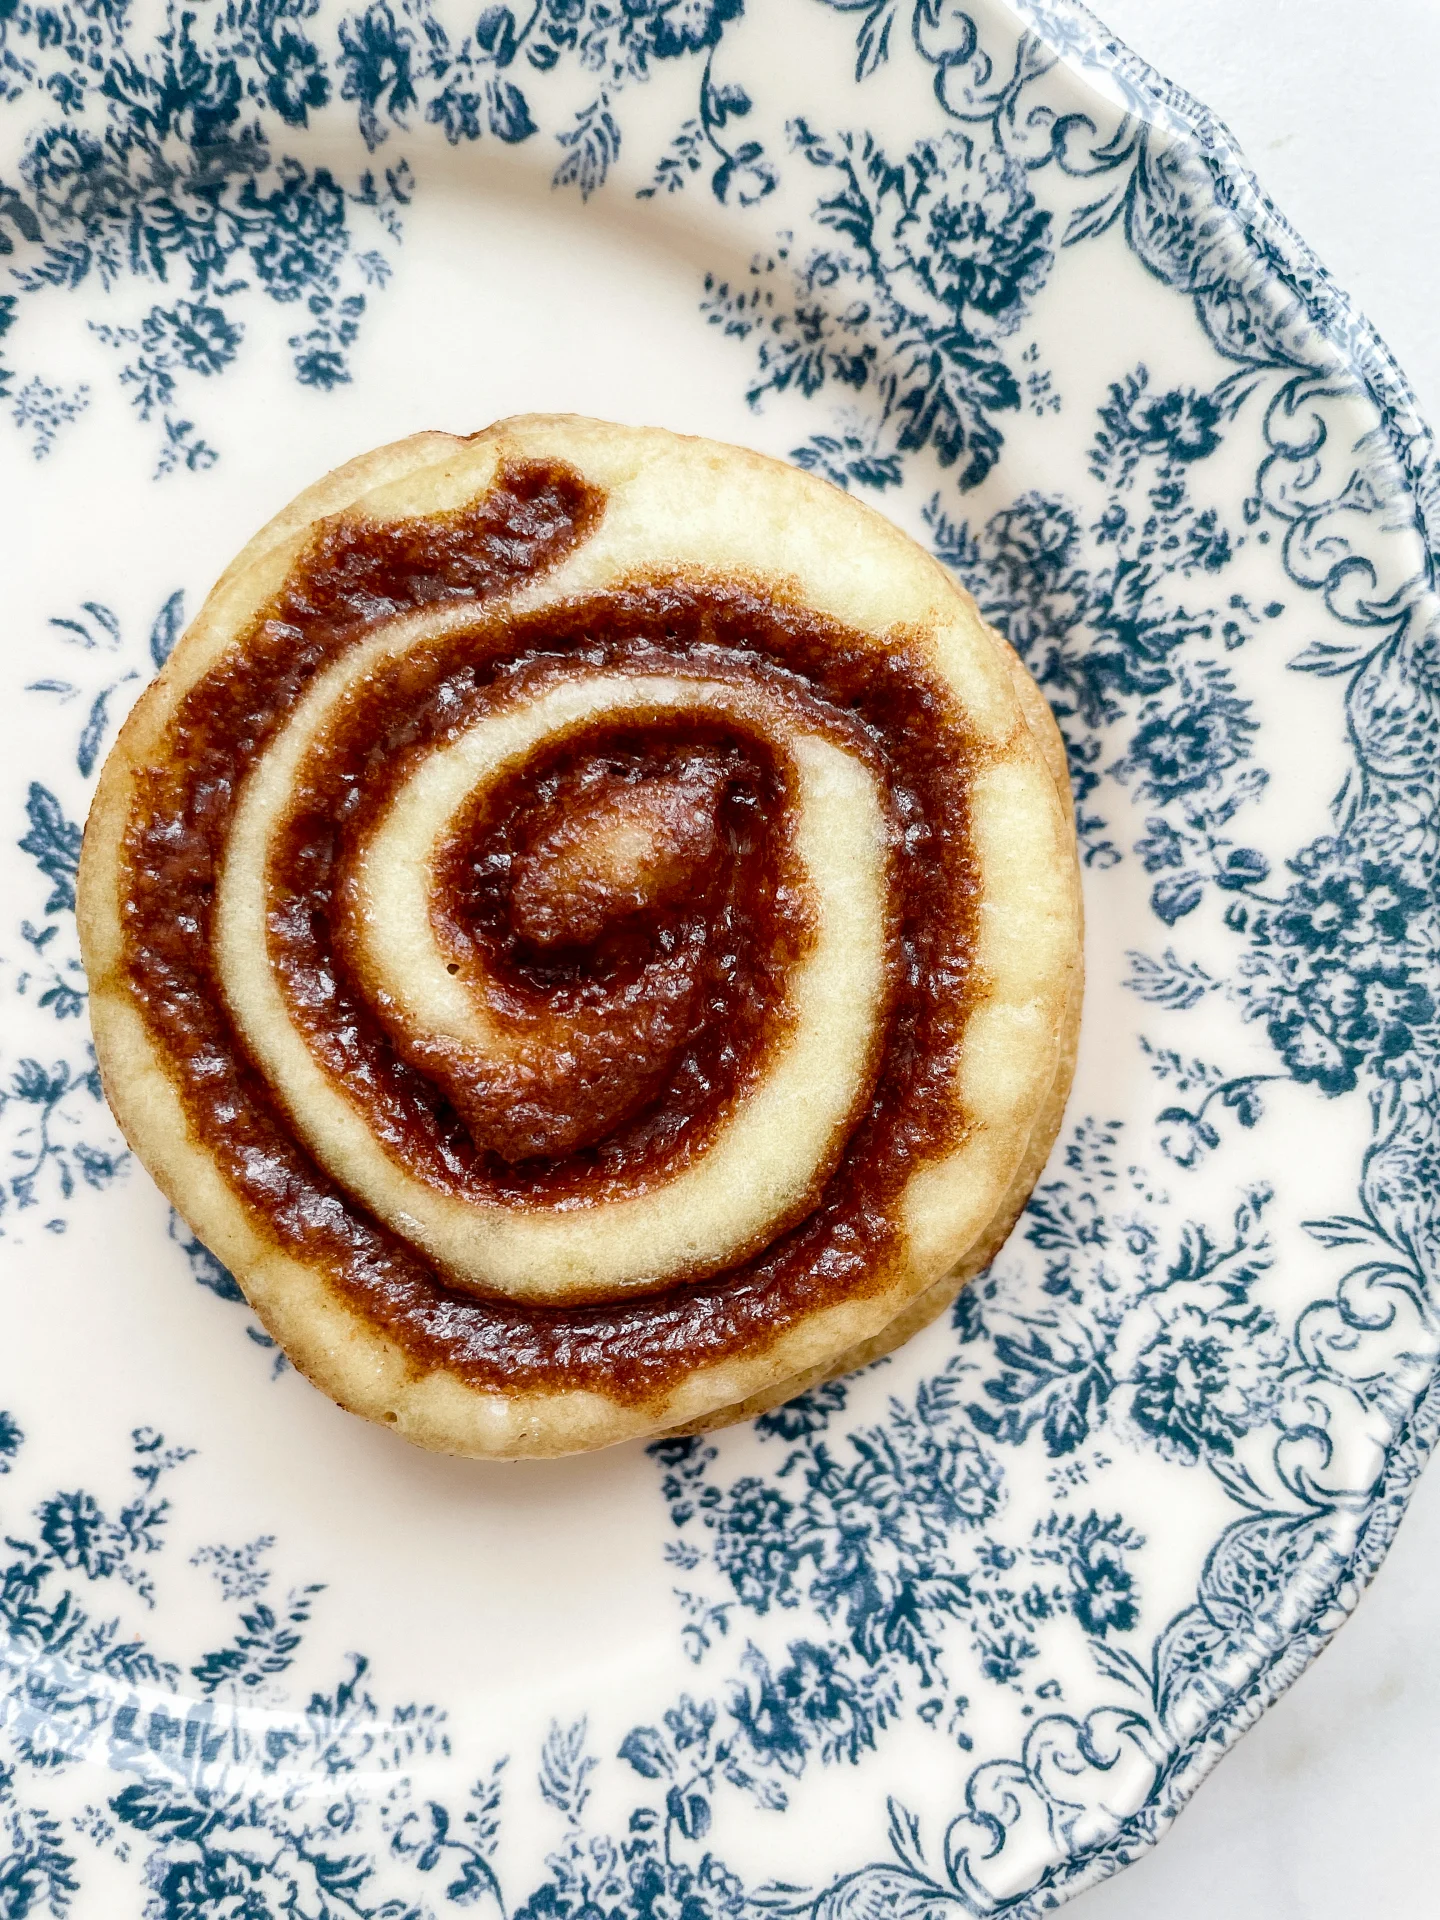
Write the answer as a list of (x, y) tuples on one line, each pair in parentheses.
[(617, 684)]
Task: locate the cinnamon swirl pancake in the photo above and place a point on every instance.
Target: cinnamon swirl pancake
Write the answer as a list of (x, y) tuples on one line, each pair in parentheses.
[(585, 925)]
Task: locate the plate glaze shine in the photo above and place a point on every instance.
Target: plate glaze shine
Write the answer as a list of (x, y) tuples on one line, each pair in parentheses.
[(961, 1633)]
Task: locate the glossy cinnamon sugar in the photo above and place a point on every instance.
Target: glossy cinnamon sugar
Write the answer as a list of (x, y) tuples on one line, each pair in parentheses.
[(638, 880), (668, 970)]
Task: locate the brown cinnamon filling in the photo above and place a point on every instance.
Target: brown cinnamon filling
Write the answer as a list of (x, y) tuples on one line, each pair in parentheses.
[(639, 879), (661, 991)]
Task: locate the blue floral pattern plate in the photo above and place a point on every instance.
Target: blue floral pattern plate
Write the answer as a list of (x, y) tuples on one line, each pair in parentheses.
[(960, 1634)]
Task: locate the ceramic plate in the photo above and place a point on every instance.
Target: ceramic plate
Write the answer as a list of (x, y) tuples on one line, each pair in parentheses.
[(961, 1633)]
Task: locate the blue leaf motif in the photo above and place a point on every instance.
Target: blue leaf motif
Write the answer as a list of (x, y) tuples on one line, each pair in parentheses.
[(646, 1752), (168, 626), (508, 114), (53, 843), (495, 32), (1176, 895)]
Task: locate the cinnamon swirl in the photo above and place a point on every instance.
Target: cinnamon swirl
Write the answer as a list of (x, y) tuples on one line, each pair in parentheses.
[(586, 926)]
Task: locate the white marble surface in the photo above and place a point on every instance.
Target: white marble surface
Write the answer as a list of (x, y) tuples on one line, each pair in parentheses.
[(1330, 1808)]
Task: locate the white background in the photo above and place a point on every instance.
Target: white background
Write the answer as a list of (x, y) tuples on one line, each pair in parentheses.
[(1330, 1808)]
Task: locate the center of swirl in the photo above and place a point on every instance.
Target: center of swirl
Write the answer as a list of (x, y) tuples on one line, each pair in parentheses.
[(612, 849), (542, 906)]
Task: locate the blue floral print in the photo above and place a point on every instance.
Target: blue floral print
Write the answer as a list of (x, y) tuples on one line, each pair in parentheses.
[(953, 1554)]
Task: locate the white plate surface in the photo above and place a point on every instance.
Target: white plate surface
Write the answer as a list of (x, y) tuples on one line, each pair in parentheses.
[(967, 1632)]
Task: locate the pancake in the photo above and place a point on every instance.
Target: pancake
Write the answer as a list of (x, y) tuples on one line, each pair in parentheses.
[(586, 926)]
